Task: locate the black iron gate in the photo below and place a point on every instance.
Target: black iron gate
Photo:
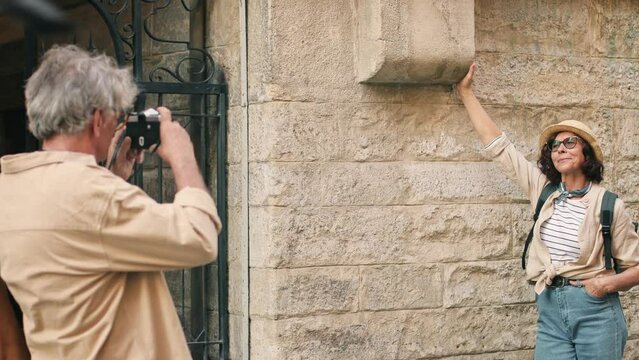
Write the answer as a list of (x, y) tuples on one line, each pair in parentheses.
[(164, 41)]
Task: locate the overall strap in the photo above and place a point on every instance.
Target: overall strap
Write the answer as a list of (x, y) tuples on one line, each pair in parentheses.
[(545, 193), (607, 215)]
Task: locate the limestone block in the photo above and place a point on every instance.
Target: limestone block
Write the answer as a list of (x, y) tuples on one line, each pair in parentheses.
[(561, 28), (236, 340), (279, 293), (236, 286), (227, 63), (302, 131), (234, 183), (627, 173), (285, 131), (486, 283), (415, 183), (387, 132), (234, 231), (316, 236), (223, 21), (522, 26), (628, 134), (557, 81), (522, 216), (523, 124), (301, 46), (414, 41), (296, 184), (396, 335), (236, 143), (632, 349), (509, 355), (631, 312), (401, 287)]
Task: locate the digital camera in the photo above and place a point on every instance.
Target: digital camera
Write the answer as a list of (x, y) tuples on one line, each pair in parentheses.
[(143, 128)]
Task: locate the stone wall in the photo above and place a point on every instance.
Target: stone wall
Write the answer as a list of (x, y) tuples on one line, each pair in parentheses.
[(372, 227)]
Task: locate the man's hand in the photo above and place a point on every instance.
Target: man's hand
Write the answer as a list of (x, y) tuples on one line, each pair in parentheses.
[(176, 149), (126, 157)]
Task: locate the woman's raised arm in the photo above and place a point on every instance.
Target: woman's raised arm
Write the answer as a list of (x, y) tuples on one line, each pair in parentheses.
[(483, 124)]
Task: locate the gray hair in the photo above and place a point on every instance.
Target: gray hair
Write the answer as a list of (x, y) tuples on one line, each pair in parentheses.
[(69, 85)]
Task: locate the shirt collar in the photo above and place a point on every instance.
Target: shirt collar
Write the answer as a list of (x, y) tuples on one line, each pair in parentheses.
[(20, 162)]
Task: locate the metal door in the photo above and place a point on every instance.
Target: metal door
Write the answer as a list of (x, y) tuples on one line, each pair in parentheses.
[(164, 42)]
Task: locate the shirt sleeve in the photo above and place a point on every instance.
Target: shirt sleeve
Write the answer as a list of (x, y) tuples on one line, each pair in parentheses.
[(625, 240), (515, 165), (139, 234)]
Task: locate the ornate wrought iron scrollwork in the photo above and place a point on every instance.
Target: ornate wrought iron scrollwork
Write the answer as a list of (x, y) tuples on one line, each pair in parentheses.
[(116, 9), (199, 64), (203, 67)]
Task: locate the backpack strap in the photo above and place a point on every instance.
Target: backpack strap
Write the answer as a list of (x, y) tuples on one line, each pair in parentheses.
[(545, 193), (607, 215)]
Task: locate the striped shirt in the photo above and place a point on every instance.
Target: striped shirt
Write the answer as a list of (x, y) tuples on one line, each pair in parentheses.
[(559, 233)]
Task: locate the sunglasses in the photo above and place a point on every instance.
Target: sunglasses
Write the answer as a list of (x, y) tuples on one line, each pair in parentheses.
[(569, 143)]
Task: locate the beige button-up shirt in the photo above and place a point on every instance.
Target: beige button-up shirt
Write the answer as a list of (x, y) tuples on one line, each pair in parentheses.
[(540, 269), (82, 252)]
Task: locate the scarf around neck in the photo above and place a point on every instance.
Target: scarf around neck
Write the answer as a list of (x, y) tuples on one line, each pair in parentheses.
[(565, 194)]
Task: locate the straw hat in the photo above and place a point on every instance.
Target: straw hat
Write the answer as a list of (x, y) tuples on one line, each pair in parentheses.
[(574, 126)]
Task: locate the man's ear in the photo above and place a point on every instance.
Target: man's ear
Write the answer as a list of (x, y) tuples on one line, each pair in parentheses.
[(97, 123)]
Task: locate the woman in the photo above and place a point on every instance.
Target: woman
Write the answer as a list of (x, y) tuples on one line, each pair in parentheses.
[(579, 313)]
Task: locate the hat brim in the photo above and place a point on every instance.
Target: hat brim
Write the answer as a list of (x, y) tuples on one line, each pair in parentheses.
[(557, 128)]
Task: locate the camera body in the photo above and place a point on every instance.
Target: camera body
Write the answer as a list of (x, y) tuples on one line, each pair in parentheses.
[(143, 128)]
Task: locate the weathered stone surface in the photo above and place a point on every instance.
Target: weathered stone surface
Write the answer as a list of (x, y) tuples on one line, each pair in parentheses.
[(294, 237), (401, 287), (510, 355), (235, 181), (627, 173), (278, 293), (287, 35), (524, 124), (235, 117), (227, 63), (236, 286), (389, 180), (292, 131), (423, 41), (397, 335), (627, 129), (301, 131), (631, 311), (234, 231), (562, 28), (632, 349), (236, 340), (414, 183), (296, 184), (550, 81), (223, 23), (486, 283), (522, 216)]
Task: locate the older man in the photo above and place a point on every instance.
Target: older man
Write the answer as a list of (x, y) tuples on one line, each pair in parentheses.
[(81, 249)]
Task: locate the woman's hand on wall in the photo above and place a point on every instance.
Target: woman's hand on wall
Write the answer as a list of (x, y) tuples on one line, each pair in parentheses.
[(464, 86)]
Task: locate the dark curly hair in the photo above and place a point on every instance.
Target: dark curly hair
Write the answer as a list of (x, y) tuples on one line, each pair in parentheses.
[(592, 168)]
